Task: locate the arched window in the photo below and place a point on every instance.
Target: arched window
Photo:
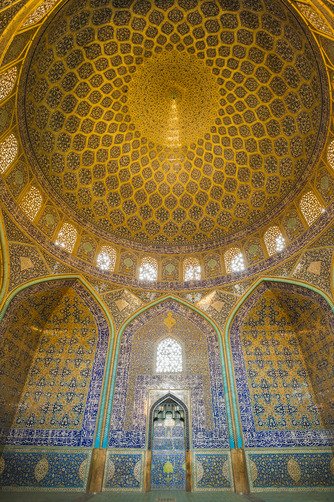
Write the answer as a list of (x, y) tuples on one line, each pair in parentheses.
[(31, 202), (191, 270), (234, 260), (274, 240), (66, 237), (8, 152), (169, 356), (330, 154), (39, 12), (310, 207), (148, 270), (7, 82), (106, 258)]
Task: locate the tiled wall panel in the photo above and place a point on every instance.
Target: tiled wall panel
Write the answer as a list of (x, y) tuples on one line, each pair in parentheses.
[(44, 469), (299, 469), (123, 471), (212, 471), (280, 403)]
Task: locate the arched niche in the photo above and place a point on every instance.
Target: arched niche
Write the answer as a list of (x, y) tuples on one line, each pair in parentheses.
[(154, 412), (54, 343), (137, 385), (281, 342), (168, 445)]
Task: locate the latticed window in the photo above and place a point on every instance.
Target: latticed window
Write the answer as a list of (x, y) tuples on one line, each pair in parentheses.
[(310, 207), (66, 237), (169, 356), (106, 258), (330, 154), (148, 270), (234, 260), (191, 269), (314, 18), (31, 202), (7, 82), (8, 152), (274, 240), (39, 12)]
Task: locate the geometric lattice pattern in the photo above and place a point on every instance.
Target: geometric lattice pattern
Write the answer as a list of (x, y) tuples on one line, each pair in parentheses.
[(148, 270), (283, 399), (330, 154), (234, 260), (39, 12), (281, 392), (31, 202), (57, 385), (54, 339), (18, 343), (310, 207), (191, 270), (169, 356), (7, 82), (106, 258), (274, 240), (67, 237), (8, 152), (173, 124)]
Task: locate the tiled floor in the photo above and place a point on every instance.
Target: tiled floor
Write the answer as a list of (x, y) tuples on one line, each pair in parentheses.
[(166, 497)]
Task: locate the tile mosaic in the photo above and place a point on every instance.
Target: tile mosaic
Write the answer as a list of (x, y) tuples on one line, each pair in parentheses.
[(277, 403), (20, 273), (295, 469), (45, 469), (168, 470), (136, 376), (303, 271), (123, 471), (212, 471), (60, 396)]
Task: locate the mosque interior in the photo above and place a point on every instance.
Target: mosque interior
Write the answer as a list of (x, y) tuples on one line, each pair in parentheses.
[(166, 246)]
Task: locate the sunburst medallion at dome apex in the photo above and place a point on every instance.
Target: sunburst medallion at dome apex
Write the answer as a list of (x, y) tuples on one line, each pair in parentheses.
[(173, 100), (173, 122)]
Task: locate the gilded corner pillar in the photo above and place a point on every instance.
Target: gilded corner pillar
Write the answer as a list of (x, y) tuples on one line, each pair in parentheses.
[(147, 470), (188, 471), (96, 472), (239, 469)]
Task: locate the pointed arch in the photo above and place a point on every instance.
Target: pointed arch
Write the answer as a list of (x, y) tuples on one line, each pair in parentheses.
[(278, 280), (178, 401), (228, 385), (237, 309), (105, 332)]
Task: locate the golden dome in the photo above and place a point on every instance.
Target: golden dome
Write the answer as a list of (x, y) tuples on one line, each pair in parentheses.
[(173, 123)]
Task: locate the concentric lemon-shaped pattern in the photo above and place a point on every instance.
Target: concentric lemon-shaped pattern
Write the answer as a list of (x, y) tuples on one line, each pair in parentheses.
[(172, 122)]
